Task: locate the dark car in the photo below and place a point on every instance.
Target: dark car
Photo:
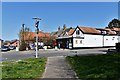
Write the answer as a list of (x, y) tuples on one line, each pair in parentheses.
[(5, 48), (11, 47)]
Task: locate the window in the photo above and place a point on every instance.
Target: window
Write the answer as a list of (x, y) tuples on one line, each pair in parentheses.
[(76, 41), (113, 38), (104, 32), (80, 41), (77, 32), (114, 32)]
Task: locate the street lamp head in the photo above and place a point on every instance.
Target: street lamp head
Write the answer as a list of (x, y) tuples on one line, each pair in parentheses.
[(36, 24), (23, 25), (36, 18)]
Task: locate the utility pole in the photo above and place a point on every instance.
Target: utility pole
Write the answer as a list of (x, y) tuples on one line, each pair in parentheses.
[(37, 31), (23, 26)]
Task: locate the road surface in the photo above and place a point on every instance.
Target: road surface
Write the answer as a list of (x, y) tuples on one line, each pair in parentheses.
[(16, 55)]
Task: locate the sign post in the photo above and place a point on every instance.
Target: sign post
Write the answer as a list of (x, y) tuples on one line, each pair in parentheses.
[(37, 31)]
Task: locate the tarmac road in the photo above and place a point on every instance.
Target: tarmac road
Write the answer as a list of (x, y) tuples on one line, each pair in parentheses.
[(16, 55)]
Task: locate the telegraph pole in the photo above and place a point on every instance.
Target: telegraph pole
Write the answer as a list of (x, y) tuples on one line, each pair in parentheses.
[(23, 26), (37, 31)]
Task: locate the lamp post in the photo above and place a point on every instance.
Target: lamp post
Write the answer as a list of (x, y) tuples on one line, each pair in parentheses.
[(37, 31)]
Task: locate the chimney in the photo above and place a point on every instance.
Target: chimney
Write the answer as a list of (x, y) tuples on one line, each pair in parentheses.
[(64, 27), (59, 28)]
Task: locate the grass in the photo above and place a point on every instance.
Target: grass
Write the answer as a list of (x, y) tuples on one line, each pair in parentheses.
[(100, 67), (26, 68)]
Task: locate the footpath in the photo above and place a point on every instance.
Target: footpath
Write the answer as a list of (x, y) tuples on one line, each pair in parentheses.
[(58, 67)]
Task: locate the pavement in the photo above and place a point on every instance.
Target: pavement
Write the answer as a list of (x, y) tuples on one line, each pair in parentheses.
[(58, 67)]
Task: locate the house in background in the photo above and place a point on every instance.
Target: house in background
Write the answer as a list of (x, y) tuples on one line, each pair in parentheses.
[(14, 43), (110, 37), (118, 32), (30, 38), (88, 37), (63, 36), (65, 39)]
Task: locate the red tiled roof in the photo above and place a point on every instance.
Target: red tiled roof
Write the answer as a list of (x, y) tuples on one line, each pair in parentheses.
[(32, 35), (109, 31), (89, 30), (71, 31), (116, 29)]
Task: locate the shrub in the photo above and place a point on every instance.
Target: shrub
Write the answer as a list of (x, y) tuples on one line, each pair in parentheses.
[(23, 46), (118, 47)]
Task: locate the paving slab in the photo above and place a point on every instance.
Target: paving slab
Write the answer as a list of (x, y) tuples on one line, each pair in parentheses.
[(58, 67)]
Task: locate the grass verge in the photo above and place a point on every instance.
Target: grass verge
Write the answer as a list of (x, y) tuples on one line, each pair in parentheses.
[(102, 67), (26, 68)]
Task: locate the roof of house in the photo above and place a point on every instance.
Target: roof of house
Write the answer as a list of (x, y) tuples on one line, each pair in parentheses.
[(57, 33), (109, 31), (71, 31), (13, 41), (68, 31), (116, 29), (62, 32), (32, 35), (89, 30)]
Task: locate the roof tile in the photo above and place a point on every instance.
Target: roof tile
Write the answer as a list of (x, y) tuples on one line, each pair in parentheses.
[(89, 30)]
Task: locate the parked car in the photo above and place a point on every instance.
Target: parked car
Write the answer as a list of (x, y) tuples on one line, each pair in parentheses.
[(5, 48), (12, 47)]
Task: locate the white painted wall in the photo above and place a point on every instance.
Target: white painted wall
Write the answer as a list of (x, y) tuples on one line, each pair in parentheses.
[(119, 39), (89, 41), (78, 42), (93, 40), (110, 40), (81, 34)]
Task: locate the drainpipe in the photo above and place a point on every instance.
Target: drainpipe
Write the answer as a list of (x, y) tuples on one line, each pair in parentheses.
[(118, 38), (103, 41)]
